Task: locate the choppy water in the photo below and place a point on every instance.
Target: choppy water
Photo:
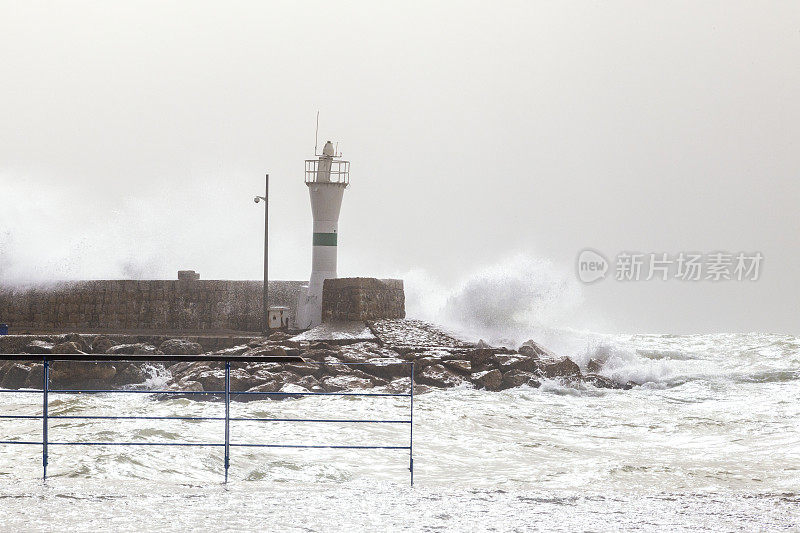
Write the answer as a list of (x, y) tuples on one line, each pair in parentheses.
[(711, 441)]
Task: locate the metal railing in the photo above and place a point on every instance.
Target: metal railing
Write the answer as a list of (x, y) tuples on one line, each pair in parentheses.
[(339, 171), (46, 391)]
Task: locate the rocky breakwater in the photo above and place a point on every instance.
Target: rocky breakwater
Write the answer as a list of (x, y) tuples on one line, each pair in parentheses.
[(358, 366), (385, 364), (88, 375)]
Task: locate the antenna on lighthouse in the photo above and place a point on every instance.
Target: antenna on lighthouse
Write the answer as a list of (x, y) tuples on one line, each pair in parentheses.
[(316, 136)]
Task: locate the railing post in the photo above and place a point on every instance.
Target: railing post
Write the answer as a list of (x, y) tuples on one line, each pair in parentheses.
[(411, 432), (45, 402), (227, 417)]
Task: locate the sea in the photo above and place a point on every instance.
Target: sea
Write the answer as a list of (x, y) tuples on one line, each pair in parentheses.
[(708, 441)]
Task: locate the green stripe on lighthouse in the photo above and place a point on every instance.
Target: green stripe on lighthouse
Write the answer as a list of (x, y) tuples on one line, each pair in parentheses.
[(325, 239)]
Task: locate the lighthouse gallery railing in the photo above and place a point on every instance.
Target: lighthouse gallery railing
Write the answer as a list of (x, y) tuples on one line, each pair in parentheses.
[(46, 391)]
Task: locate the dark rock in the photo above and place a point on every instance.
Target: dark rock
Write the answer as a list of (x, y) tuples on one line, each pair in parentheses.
[(211, 380), (335, 367), (15, 376), (130, 374), (279, 336), (303, 369), (533, 349), (321, 346), (481, 359), (386, 368), (139, 348), (518, 378), (439, 376), (311, 383), (602, 382), (80, 373), (459, 365), (35, 377), (241, 380), (101, 344), (488, 379), (345, 383), (236, 350), (594, 366), (180, 347), (318, 355), (267, 386), (39, 347), (506, 363), (79, 341), (564, 367), (482, 345), (67, 348), (276, 351)]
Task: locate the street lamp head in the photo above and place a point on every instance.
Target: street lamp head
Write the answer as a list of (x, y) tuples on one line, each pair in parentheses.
[(257, 199)]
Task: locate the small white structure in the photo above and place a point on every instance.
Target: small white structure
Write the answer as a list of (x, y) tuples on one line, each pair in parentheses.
[(326, 177), (278, 317)]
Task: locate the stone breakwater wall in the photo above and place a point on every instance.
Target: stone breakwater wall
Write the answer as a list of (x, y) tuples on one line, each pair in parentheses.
[(362, 299), (151, 305)]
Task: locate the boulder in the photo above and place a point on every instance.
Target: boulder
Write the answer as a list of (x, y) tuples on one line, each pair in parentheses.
[(236, 350), (130, 374), (15, 376), (507, 363), (386, 368), (439, 376), (67, 348), (180, 347), (594, 366), (531, 348), (79, 341), (279, 336), (335, 367), (211, 380), (39, 347), (602, 382), (267, 386), (518, 378), (557, 368), (101, 344), (488, 379), (139, 348), (303, 369), (311, 383), (79, 373), (481, 359), (276, 351), (459, 365), (345, 383)]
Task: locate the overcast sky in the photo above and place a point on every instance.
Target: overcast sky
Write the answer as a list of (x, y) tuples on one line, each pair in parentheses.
[(490, 143)]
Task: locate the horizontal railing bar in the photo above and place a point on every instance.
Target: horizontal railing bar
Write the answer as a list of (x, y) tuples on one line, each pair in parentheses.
[(320, 420), (38, 391), (343, 447), (320, 394), (197, 444), (212, 444), (98, 417), (100, 357), (123, 391), (204, 418), (131, 391)]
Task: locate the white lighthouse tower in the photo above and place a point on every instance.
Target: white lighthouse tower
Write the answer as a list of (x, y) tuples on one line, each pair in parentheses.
[(326, 177)]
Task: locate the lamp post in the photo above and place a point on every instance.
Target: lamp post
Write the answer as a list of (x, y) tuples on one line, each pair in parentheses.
[(265, 295)]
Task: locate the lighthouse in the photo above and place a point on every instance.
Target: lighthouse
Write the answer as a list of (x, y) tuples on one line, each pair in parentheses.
[(327, 177)]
